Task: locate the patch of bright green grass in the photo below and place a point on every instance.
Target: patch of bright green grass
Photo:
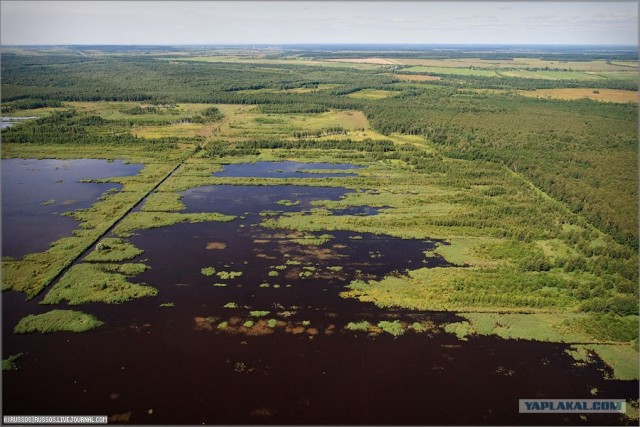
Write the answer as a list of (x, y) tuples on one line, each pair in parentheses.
[(223, 325), (394, 328), (9, 364), (163, 201), (312, 240), (358, 326), (226, 275), (113, 250), (259, 313), (462, 251), (272, 323), (418, 327), (623, 359), (208, 271), (286, 202), (248, 323), (371, 94), (231, 305), (57, 320), (462, 330), (168, 304), (107, 283), (273, 273)]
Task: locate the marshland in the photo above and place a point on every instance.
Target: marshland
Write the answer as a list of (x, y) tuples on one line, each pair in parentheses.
[(319, 236)]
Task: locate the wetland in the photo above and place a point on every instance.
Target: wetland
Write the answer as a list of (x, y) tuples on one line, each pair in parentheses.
[(332, 246)]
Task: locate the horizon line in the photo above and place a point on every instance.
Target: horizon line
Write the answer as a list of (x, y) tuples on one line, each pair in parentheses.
[(311, 44)]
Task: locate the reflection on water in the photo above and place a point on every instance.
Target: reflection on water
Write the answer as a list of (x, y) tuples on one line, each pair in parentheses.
[(36, 192), (6, 122), (254, 331)]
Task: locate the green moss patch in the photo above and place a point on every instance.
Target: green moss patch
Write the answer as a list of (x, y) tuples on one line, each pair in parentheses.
[(113, 250), (107, 283), (57, 320), (9, 364)]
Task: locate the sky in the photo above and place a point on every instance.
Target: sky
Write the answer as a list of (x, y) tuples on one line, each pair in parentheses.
[(293, 22)]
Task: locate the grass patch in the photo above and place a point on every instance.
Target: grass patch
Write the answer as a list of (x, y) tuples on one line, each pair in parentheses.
[(57, 320), (394, 328), (462, 251), (9, 364), (85, 283), (208, 271), (223, 325), (312, 240), (363, 326), (604, 95), (226, 275), (623, 359), (371, 94), (163, 201), (230, 305), (286, 202), (418, 327), (259, 313), (145, 220), (113, 250)]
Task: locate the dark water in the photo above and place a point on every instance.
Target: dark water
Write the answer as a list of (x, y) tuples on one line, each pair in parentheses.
[(284, 169), (171, 365), (36, 192)]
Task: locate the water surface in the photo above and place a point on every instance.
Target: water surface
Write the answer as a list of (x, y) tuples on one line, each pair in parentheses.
[(285, 169), (36, 192)]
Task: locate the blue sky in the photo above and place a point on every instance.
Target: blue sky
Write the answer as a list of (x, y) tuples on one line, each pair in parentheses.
[(267, 22)]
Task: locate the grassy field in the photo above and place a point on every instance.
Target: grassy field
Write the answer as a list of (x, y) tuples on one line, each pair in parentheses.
[(371, 94), (551, 75), (416, 77), (450, 70), (523, 63), (139, 112), (605, 95)]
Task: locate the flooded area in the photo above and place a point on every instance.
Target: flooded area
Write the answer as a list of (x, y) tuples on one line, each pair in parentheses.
[(249, 328), (35, 194)]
